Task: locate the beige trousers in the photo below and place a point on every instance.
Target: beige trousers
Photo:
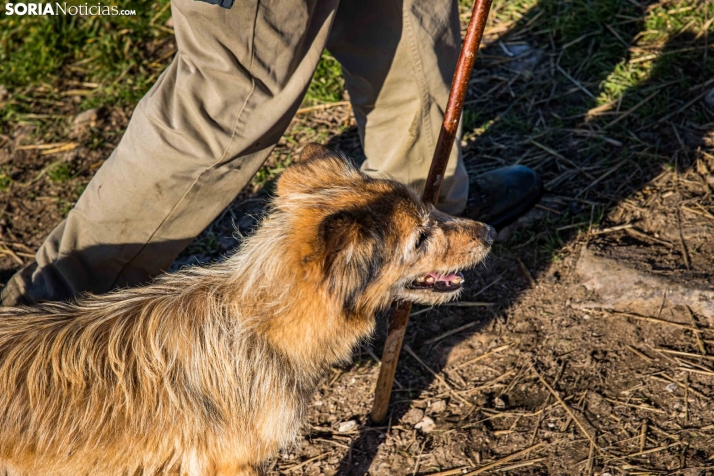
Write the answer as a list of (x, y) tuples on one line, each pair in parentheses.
[(212, 118)]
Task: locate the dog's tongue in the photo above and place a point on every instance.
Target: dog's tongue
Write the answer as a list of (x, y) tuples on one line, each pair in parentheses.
[(446, 278)]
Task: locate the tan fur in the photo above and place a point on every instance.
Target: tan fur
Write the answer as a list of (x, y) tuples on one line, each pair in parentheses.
[(209, 370)]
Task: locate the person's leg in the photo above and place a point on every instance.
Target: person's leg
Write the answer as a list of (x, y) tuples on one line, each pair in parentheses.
[(398, 58), (193, 142)]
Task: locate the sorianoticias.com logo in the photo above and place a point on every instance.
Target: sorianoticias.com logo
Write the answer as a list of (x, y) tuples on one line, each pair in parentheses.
[(64, 9)]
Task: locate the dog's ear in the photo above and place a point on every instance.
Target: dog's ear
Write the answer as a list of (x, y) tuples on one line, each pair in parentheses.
[(340, 234), (319, 167), (349, 253)]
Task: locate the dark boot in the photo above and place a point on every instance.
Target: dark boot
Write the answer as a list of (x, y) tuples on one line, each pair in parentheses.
[(15, 291), (500, 197)]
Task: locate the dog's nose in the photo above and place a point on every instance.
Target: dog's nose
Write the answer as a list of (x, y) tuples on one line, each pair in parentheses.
[(488, 234)]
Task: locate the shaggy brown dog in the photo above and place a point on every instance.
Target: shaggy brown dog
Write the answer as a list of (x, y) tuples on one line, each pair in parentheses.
[(210, 370)]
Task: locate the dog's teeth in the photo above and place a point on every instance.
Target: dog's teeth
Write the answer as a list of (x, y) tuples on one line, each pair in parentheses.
[(457, 280), (430, 279), (419, 280)]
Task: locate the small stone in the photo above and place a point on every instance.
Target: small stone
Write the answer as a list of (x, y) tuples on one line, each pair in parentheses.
[(499, 403), (671, 387), (709, 98), (87, 117), (426, 425), (597, 404), (437, 407), (347, 426), (599, 355), (413, 416), (82, 122)]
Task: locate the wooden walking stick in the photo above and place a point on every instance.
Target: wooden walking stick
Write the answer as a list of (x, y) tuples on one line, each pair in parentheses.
[(459, 85)]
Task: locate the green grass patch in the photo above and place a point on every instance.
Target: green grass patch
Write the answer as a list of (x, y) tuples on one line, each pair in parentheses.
[(105, 60), (207, 243), (327, 84), (102, 60), (5, 182), (471, 119), (267, 174), (60, 172)]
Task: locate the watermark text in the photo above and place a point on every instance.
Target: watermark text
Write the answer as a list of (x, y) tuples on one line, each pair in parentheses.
[(64, 9)]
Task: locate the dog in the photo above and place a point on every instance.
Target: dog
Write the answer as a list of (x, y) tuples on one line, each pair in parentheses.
[(210, 370)]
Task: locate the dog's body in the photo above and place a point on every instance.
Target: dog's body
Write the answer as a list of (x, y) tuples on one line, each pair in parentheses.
[(210, 370)]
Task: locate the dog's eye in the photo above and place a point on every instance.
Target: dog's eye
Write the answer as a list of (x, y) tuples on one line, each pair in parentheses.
[(420, 239)]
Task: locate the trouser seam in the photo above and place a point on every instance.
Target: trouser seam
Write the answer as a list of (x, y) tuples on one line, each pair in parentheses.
[(420, 77), (217, 162)]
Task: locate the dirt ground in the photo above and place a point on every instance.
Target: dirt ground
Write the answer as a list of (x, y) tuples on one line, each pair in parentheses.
[(583, 345)]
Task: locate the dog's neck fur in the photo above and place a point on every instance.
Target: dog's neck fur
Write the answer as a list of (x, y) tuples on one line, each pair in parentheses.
[(306, 320)]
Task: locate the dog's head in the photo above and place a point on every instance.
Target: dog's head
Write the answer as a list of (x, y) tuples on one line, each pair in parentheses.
[(372, 241)]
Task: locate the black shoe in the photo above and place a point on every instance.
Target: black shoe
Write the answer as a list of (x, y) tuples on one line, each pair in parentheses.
[(500, 197), (14, 292)]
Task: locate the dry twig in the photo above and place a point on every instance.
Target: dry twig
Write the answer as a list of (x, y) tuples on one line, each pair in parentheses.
[(700, 343), (567, 409), (320, 107), (437, 376), (501, 461), (483, 356)]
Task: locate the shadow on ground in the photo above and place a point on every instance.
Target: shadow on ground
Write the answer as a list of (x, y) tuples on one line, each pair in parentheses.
[(533, 101)]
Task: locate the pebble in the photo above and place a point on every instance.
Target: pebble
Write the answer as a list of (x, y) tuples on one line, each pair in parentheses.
[(86, 117), (413, 416), (426, 425), (437, 407), (347, 426), (709, 98), (499, 403)]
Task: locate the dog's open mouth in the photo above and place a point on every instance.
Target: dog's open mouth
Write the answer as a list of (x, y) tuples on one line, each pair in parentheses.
[(438, 283)]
